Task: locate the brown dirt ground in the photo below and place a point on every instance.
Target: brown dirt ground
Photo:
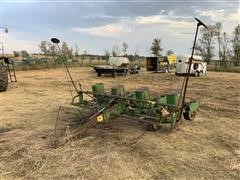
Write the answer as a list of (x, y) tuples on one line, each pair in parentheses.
[(207, 148)]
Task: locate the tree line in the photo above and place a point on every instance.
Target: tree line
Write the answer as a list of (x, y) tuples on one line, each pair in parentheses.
[(214, 40), (210, 41)]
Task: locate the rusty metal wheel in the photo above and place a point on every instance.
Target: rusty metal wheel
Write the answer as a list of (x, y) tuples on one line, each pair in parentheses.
[(151, 127)]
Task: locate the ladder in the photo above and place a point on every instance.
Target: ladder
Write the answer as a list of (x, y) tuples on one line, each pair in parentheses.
[(10, 64), (11, 71)]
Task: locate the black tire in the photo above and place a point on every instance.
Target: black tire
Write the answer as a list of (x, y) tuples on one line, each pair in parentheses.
[(189, 115), (3, 78), (114, 74), (196, 74), (99, 74)]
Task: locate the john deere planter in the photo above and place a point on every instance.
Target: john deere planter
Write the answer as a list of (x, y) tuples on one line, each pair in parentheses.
[(104, 106), (100, 106)]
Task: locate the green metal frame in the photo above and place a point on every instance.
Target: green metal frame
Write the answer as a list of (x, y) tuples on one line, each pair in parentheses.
[(136, 105)]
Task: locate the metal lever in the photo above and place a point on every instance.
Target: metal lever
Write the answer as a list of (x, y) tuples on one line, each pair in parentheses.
[(200, 23), (57, 41)]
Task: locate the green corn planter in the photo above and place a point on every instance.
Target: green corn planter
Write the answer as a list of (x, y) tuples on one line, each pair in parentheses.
[(161, 99), (172, 99), (118, 90), (98, 88), (142, 94)]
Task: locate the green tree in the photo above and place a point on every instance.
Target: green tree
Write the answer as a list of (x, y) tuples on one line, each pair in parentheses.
[(156, 47), (24, 53), (16, 53), (68, 52), (170, 52), (236, 45)]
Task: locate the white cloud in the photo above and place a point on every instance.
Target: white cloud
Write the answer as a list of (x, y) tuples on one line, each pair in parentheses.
[(15, 41), (221, 15), (214, 15), (166, 22), (155, 19), (235, 16), (108, 30)]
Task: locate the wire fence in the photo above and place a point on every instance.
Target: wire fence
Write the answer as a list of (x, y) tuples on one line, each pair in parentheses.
[(45, 63)]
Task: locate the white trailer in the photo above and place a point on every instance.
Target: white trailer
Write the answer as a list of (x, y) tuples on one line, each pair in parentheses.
[(198, 67)]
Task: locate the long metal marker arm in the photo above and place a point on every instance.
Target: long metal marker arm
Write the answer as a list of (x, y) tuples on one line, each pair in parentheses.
[(200, 23), (57, 41)]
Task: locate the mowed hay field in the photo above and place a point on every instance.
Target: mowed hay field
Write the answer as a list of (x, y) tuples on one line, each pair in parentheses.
[(206, 148)]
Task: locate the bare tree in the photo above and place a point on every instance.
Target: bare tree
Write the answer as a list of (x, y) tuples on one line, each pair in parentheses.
[(205, 44), (236, 45), (219, 38), (77, 49), (107, 54), (148, 51), (68, 52), (52, 49), (115, 51), (136, 55), (44, 47), (224, 53), (124, 48)]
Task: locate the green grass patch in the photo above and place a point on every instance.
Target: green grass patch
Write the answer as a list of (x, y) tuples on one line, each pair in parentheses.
[(235, 69)]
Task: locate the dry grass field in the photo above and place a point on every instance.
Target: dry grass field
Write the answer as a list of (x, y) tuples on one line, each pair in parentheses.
[(206, 148)]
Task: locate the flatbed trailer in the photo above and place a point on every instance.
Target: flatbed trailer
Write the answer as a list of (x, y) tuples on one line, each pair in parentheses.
[(107, 69)]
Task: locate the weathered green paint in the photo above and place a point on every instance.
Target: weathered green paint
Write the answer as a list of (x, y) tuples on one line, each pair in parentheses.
[(192, 106), (142, 94), (99, 88), (161, 99), (113, 111), (118, 90), (138, 104), (172, 99)]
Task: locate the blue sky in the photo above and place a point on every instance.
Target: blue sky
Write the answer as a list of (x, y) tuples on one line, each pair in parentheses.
[(97, 25)]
